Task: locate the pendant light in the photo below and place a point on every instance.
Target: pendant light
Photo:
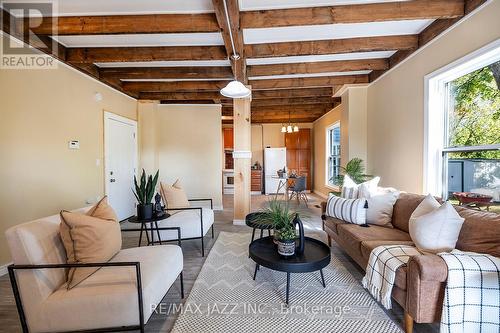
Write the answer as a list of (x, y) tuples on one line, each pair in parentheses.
[(234, 89), (289, 128)]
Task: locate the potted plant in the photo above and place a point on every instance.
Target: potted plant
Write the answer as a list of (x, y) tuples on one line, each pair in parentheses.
[(355, 169), (283, 220), (144, 193)]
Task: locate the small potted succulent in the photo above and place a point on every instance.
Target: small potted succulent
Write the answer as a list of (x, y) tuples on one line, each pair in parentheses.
[(144, 192), (285, 240)]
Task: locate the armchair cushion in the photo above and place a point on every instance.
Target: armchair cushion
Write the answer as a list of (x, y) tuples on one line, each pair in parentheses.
[(108, 298), (173, 195), (190, 223), (89, 238)]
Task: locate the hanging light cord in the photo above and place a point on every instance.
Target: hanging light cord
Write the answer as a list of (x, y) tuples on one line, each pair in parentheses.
[(235, 56)]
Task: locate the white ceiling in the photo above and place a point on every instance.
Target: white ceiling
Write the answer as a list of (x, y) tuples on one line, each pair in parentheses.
[(294, 76), (333, 31), (276, 4), (183, 63), (184, 39), (319, 58), (125, 7)]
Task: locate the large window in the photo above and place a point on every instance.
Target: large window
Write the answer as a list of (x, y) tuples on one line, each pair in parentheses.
[(332, 154), (463, 126)]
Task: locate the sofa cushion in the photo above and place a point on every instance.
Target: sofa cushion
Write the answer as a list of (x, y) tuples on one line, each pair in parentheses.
[(353, 235), (108, 297), (332, 223), (403, 208), (367, 248), (348, 210), (189, 222), (480, 231)]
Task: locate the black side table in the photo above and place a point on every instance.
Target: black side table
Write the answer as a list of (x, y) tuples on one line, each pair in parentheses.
[(153, 225), (316, 256), (251, 220)]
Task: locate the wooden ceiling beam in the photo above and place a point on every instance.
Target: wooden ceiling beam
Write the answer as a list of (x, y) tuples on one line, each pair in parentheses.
[(432, 31), (198, 95), (361, 13), (174, 86), (321, 81), (196, 72), (332, 46), (318, 67), (292, 93), (155, 53), (293, 101), (228, 28), (126, 24)]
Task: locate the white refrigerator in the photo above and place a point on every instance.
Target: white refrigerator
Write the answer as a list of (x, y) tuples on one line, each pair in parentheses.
[(274, 160)]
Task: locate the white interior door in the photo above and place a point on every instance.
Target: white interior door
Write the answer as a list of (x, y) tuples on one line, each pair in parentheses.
[(120, 163)]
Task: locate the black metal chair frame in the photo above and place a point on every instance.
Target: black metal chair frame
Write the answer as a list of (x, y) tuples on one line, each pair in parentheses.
[(201, 222), (17, 296), (298, 194)]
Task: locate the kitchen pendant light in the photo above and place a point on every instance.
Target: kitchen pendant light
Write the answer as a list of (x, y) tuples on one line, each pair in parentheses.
[(288, 128), (296, 128), (234, 89), (283, 129)]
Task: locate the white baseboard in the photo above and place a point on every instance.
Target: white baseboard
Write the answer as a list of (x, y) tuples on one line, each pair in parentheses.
[(3, 269), (239, 222)]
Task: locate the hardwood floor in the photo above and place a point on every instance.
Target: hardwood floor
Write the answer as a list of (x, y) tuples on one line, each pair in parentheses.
[(193, 261)]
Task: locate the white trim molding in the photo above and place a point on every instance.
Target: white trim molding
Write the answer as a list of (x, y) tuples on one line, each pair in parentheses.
[(243, 154), (239, 222), (435, 101)]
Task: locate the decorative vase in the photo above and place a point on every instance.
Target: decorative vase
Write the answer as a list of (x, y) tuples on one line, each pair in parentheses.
[(286, 248), (145, 212)]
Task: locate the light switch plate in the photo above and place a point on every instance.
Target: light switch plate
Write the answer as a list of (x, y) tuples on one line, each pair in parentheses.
[(74, 144)]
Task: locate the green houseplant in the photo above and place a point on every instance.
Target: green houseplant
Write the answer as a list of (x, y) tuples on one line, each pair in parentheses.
[(144, 192), (279, 215), (355, 169)]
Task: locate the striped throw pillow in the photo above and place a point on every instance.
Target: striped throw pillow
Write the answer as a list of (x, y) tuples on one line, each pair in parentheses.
[(348, 210)]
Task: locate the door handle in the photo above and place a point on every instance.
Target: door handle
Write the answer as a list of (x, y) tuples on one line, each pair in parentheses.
[(112, 180)]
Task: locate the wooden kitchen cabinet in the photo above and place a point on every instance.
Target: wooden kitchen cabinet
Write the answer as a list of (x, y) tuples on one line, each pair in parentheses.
[(299, 152), (256, 181), (228, 138)]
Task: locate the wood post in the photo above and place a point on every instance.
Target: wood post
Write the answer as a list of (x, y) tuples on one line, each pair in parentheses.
[(242, 155)]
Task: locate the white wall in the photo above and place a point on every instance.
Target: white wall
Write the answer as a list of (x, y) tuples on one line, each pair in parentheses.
[(184, 142)]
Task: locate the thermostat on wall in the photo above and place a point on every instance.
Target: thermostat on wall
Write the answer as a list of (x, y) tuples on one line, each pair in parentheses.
[(74, 144)]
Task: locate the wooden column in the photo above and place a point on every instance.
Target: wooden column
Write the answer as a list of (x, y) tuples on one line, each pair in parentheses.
[(242, 155)]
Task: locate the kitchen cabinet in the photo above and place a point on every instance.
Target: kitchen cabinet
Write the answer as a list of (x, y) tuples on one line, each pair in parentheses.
[(256, 181), (228, 138), (298, 153)]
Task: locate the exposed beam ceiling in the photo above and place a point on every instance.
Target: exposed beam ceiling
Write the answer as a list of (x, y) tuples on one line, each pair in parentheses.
[(375, 12), (127, 24), (232, 28), (322, 81), (197, 72), (153, 53), (363, 44), (318, 67)]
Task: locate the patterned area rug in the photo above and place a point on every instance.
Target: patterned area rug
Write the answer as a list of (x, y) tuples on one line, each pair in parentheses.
[(225, 298)]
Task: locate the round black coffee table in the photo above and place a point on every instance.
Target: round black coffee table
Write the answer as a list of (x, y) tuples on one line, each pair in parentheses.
[(153, 224), (316, 256)]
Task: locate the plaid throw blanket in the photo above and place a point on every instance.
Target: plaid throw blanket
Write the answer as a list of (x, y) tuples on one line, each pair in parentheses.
[(472, 294), (381, 270)]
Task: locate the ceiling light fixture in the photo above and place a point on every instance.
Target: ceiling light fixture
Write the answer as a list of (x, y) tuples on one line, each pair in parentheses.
[(234, 89), (288, 128)]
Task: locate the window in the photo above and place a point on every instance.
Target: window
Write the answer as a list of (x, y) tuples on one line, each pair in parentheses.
[(463, 126), (332, 154)]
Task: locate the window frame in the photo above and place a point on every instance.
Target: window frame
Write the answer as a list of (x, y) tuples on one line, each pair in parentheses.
[(327, 154), (436, 99)]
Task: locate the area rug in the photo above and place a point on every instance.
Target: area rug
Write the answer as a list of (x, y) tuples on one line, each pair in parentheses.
[(225, 298)]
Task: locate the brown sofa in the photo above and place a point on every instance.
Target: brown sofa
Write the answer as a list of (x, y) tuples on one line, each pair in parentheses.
[(419, 286)]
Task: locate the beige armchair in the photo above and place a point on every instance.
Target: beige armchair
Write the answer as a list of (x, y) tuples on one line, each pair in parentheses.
[(122, 295)]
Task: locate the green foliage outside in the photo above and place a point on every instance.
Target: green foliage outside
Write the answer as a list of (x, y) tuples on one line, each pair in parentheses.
[(475, 99)]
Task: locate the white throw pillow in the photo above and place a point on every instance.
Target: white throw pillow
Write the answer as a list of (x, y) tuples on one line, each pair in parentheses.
[(351, 190), (348, 210), (434, 227), (380, 207)]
